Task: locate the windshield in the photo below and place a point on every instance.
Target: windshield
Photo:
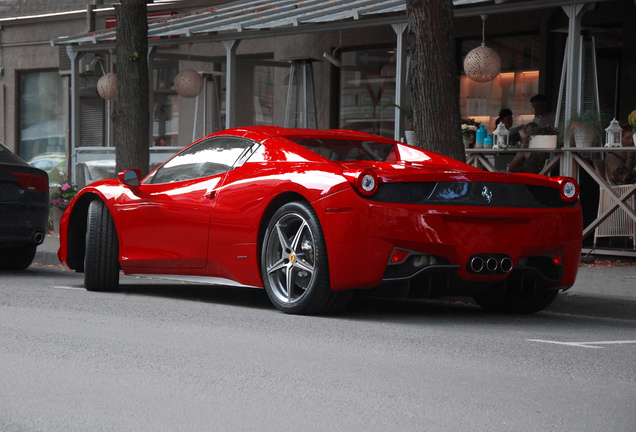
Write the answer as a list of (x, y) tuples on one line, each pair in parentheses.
[(343, 150)]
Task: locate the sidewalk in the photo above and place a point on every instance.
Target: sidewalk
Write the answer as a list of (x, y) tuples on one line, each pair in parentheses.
[(600, 290)]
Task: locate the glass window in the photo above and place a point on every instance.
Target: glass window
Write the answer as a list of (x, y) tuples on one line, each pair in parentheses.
[(263, 95), (254, 94), (205, 159), (43, 120), (512, 88), (165, 110), (346, 150), (367, 87)]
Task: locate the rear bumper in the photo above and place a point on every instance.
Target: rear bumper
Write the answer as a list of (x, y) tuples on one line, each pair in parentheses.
[(22, 225), (360, 241)]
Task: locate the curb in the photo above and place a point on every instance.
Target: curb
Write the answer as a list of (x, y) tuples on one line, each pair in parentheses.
[(46, 258), (598, 306)]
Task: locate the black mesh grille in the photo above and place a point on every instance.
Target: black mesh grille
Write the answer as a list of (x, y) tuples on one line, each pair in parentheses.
[(483, 194), (404, 193)]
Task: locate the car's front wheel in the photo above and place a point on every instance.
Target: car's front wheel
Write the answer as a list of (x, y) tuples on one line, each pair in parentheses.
[(294, 263), (101, 265)]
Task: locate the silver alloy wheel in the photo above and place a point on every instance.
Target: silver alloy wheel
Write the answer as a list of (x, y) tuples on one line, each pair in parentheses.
[(290, 258)]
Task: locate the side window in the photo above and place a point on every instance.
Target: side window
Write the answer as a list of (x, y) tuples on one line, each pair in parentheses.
[(208, 158)]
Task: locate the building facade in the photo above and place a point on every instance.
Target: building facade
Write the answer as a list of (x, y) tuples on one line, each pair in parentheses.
[(338, 72)]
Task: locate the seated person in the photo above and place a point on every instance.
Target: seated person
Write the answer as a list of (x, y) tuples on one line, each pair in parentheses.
[(619, 166), (528, 162), (505, 117), (471, 140), (543, 116)]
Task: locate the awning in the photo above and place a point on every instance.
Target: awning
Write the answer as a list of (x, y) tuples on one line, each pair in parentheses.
[(265, 18)]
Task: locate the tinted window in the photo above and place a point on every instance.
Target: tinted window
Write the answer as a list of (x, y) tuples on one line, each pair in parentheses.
[(342, 150), (207, 158)]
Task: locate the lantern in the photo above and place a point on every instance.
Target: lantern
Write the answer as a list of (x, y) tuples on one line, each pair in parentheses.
[(482, 64), (188, 83), (501, 136), (613, 134), (107, 86)]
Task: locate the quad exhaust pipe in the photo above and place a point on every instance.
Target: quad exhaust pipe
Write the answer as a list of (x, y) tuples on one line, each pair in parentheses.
[(490, 264)]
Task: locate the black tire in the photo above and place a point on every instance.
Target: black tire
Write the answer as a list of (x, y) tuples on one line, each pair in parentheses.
[(101, 265), (530, 299), (294, 263), (17, 258)]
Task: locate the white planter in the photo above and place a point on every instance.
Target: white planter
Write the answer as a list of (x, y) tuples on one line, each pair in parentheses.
[(543, 142), (57, 217), (411, 138), (582, 137)]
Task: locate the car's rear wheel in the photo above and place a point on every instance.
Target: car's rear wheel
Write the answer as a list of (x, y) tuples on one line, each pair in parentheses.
[(529, 299), (294, 263), (101, 265), (17, 258)]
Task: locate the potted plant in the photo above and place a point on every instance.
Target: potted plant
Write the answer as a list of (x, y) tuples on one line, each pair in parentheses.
[(60, 196), (543, 137), (584, 129), (632, 120), (469, 129)]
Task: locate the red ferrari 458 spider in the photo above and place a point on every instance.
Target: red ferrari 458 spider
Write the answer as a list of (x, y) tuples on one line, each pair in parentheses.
[(313, 215)]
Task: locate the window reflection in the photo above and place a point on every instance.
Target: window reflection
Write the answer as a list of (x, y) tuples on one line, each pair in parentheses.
[(205, 159), (452, 191), (367, 87)]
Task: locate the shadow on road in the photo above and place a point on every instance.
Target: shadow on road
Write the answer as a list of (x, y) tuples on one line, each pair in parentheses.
[(361, 308)]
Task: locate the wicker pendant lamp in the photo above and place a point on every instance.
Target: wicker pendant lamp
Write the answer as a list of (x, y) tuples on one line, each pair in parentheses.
[(482, 64), (107, 86), (188, 83)]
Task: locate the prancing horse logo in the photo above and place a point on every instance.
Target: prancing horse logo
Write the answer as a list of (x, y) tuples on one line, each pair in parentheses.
[(487, 194)]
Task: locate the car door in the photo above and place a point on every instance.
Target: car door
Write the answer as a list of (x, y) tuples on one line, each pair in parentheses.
[(164, 223)]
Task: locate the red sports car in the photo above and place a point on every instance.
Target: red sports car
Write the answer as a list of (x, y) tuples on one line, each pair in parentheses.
[(314, 215)]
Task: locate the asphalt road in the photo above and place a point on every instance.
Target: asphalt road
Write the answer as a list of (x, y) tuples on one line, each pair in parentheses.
[(164, 356)]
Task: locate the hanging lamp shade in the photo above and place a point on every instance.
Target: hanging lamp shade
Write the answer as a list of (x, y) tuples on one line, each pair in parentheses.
[(482, 64), (188, 83), (107, 86)]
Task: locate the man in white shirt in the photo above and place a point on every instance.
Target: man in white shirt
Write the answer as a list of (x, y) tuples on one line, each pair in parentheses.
[(542, 114)]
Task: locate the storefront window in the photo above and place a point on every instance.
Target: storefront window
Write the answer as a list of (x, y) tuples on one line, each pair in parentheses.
[(254, 94), (367, 88), (512, 88), (43, 121), (165, 110)]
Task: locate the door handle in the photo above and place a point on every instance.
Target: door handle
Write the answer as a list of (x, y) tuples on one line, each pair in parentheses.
[(210, 195)]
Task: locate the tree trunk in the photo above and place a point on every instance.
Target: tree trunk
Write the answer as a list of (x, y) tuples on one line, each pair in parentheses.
[(131, 117), (433, 77)]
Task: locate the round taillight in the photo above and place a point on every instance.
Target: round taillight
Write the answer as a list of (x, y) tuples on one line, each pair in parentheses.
[(568, 189), (367, 182)]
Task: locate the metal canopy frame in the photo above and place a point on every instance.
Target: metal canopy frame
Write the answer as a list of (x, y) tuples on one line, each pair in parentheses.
[(267, 18)]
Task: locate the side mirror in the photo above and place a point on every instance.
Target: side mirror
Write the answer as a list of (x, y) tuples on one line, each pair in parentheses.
[(130, 177)]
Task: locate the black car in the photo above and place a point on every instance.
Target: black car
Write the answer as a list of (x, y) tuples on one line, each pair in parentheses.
[(24, 210)]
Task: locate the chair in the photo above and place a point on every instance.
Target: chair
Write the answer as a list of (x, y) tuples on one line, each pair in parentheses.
[(618, 223)]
